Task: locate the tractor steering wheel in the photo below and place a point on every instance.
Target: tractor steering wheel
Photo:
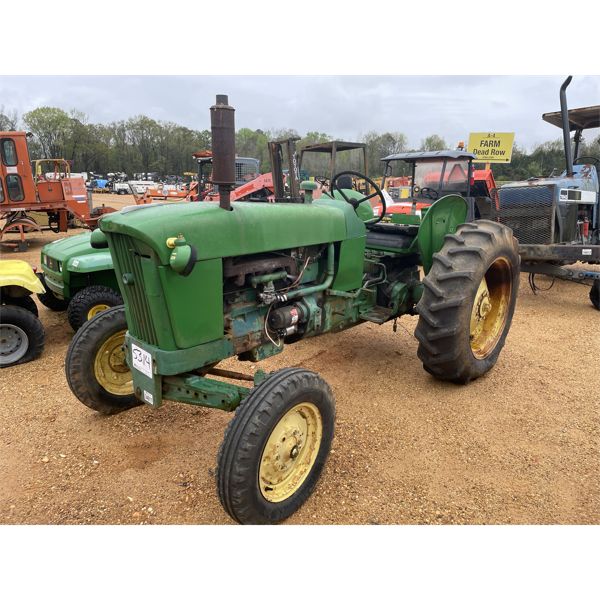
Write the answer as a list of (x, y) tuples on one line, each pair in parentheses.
[(427, 192), (355, 203), (586, 160)]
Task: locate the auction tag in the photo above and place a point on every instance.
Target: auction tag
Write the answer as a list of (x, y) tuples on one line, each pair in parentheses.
[(142, 360), (586, 252), (148, 397)]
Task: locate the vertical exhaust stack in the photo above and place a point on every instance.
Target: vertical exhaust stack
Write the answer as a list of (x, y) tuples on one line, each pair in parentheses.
[(565, 125), (222, 125)]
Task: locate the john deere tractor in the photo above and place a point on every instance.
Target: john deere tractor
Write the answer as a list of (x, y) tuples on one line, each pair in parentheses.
[(203, 282)]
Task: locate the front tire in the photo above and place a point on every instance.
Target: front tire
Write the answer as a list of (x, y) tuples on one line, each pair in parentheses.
[(468, 301), (275, 447), (95, 364), (89, 302), (22, 336)]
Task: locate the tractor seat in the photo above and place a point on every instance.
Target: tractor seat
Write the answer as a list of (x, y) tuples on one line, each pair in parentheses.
[(394, 237)]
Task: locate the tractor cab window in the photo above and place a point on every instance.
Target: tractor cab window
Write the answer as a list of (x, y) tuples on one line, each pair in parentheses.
[(14, 187), (456, 176), (442, 176), (9, 152), (1, 191), (428, 174)]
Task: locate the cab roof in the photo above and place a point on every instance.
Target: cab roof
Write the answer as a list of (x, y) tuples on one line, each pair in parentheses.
[(579, 118), (328, 146), (439, 154)]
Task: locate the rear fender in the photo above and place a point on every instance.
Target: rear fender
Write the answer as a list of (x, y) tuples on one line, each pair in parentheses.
[(442, 218)]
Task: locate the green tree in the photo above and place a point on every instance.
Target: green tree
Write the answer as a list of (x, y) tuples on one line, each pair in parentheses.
[(52, 129), (381, 145), (9, 121), (432, 143)]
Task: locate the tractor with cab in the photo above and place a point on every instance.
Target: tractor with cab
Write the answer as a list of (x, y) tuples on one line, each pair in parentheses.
[(435, 174), (203, 282), (45, 186)]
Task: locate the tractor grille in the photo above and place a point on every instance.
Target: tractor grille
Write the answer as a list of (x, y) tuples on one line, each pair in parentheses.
[(128, 261), (529, 212)]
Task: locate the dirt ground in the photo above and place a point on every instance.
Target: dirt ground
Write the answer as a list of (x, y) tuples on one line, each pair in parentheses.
[(520, 445)]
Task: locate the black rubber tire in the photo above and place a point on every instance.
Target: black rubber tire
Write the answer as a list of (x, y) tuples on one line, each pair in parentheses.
[(26, 302), (245, 438), (595, 294), (79, 363), (84, 300), (30, 325), (449, 290), (49, 300)]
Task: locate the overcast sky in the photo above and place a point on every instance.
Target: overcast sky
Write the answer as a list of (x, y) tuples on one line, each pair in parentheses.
[(342, 106)]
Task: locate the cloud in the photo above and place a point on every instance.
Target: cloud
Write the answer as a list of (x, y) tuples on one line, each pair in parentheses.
[(343, 106)]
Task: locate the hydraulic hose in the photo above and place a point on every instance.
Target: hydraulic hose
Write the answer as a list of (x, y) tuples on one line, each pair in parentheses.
[(330, 272)]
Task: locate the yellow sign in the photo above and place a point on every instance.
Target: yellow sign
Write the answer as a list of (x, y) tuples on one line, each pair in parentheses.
[(491, 147)]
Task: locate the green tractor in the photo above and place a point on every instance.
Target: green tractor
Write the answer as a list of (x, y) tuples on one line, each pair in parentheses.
[(203, 282), (78, 278)]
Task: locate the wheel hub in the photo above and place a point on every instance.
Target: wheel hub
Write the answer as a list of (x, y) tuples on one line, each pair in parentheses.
[(98, 308), (13, 343), (111, 369), (490, 308), (290, 452)]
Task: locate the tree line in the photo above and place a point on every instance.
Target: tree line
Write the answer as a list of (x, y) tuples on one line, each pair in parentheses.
[(144, 145)]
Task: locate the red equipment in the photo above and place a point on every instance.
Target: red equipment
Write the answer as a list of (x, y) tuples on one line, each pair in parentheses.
[(52, 191)]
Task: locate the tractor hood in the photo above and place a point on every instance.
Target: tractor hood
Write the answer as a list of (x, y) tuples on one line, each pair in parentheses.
[(69, 247), (248, 228)]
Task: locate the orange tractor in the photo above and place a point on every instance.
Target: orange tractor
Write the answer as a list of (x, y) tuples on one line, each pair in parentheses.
[(46, 186)]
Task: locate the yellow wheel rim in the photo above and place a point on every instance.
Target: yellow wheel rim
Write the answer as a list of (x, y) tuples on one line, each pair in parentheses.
[(98, 308), (290, 452), (110, 368), (490, 308)]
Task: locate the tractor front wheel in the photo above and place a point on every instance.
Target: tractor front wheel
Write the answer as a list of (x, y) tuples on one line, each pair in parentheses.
[(22, 335), (95, 365), (275, 447), (468, 301), (89, 302)]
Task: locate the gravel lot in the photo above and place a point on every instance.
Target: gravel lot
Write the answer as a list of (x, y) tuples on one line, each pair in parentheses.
[(520, 445)]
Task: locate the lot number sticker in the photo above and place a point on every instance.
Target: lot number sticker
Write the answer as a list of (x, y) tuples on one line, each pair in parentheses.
[(142, 360)]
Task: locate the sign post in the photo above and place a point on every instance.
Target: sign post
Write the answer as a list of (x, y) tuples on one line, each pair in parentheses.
[(491, 147)]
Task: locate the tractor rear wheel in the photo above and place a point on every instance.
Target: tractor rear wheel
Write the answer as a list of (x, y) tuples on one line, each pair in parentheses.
[(89, 302), (22, 335), (595, 294), (96, 370), (275, 447), (49, 300), (468, 301)]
